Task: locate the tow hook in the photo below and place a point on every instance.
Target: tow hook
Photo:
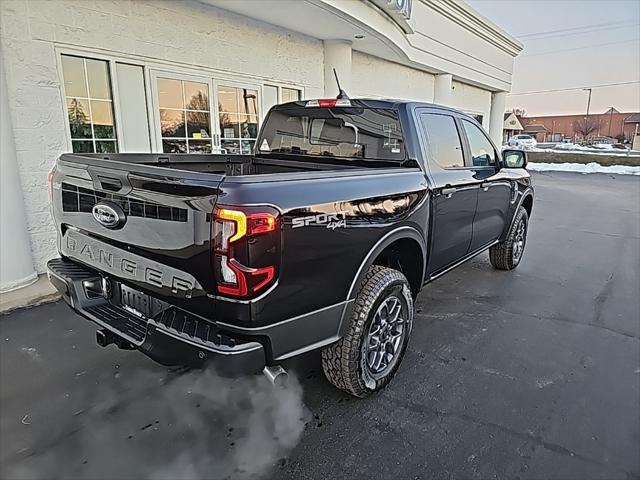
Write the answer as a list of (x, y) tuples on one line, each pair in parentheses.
[(276, 374)]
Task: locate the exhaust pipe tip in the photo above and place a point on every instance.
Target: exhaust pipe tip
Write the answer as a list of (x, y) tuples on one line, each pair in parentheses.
[(276, 375)]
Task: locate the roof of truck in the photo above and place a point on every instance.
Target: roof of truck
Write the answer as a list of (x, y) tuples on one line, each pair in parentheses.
[(375, 103)]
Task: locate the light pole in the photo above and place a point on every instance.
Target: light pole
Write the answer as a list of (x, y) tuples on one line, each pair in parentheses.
[(610, 119), (586, 119), (588, 101)]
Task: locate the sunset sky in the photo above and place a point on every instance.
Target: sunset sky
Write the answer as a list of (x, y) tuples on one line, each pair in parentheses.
[(571, 44)]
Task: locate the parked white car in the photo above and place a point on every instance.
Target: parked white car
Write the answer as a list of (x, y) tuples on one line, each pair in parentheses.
[(523, 141)]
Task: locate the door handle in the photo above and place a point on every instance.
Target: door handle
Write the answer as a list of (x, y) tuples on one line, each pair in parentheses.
[(486, 185), (448, 191)]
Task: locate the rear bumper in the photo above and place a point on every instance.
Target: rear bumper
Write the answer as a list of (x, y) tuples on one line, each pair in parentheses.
[(174, 337)]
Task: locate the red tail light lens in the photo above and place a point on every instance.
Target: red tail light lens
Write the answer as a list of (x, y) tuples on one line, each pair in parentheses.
[(329, 102), (246, 250)]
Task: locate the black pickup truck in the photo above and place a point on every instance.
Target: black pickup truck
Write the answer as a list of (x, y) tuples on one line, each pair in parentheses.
[(320, 240)]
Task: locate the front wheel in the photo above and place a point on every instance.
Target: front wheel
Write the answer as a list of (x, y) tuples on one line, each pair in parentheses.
[(367, 357), (507, 254)]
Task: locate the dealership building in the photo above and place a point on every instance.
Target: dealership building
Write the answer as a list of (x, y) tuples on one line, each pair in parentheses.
[(199, 76)]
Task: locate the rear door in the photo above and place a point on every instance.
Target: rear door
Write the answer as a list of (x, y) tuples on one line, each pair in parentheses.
[(455, 189), (495, 188)]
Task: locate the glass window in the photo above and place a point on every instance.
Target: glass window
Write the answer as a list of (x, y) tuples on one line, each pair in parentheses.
[(445, 147), (482, 152), (352, 132), (87, 89), (185, 120), (477, 118), (290, 95), (238, 116)]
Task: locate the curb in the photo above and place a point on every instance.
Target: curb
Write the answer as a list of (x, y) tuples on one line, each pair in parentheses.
[(38, 293)]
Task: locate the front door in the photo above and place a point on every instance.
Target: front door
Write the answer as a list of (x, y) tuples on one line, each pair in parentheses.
[(455, 190), (495, 190)]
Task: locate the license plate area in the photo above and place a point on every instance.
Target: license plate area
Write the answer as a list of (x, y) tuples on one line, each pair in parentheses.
[(134, 301)]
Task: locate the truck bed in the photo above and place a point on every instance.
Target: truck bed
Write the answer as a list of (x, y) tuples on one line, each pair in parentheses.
[(227, 165)]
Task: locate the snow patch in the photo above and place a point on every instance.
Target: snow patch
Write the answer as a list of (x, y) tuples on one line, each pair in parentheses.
[(583, 168)]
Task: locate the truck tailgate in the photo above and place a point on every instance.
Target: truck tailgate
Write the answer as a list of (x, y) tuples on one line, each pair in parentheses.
[(143, 225)]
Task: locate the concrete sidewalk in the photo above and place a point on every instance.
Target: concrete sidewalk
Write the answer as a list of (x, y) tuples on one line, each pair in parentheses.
[(39, 292)]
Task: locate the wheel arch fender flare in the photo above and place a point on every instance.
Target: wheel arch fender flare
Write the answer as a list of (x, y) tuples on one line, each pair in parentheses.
[(400, 233), (527, 193)]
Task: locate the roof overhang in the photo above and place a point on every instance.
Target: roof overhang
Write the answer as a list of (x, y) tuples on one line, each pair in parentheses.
[(436, 36)]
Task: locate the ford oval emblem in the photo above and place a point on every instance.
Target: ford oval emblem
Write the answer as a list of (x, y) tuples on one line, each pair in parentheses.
[(109, 214)]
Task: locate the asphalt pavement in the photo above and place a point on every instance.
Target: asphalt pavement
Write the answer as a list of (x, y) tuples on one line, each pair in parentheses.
[(528, 374)]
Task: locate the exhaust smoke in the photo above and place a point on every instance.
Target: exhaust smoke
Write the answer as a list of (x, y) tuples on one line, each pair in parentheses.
[(192, 425)]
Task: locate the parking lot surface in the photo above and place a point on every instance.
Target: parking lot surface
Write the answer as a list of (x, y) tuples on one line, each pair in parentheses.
[(533, 373)]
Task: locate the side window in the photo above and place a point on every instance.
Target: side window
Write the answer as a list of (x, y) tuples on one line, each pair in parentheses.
[(482, 152), (289, 95), (445, 147)]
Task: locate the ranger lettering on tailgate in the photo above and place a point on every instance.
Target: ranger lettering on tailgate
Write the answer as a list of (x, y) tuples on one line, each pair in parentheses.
[(113, 260)]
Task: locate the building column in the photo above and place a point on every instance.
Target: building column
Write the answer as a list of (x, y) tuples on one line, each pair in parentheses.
[(16, 262), (442, 89), (496, 117), (337, 54)]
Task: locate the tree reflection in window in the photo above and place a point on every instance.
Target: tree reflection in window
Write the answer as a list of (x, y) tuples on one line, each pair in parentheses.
[(185, 119), (238, 115), (89, 105)]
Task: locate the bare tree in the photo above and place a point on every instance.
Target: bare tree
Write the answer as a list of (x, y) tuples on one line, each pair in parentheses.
[(519, 112), (586, 126)]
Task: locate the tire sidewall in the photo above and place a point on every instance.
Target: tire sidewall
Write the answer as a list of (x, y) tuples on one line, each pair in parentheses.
[(397, 287), (522, 217)]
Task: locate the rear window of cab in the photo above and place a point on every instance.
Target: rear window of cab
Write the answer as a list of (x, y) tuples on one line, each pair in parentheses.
[(342, 132)]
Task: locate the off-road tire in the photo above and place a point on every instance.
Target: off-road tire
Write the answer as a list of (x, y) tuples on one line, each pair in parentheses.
[(342, 361), (501, 254)]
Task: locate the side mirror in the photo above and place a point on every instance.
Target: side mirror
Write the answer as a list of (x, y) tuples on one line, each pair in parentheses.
[(514, 158)]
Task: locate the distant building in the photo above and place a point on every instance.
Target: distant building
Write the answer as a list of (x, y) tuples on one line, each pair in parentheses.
[(536, 130), (556, 128), (511, 127)]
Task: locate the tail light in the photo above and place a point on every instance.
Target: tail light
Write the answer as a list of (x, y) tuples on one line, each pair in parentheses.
[(246, 250), (329, 102)]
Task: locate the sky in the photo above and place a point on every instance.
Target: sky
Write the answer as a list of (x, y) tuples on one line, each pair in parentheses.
[(571, 43)]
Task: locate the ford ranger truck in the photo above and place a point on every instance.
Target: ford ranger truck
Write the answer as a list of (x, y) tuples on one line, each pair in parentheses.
[(321, 239)]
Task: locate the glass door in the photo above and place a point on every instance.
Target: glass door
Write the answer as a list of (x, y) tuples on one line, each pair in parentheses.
[(200, 115), (183, 113), (237, 117)]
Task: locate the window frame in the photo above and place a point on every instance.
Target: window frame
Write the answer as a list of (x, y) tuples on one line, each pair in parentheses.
[(231, 83), (468, 155), (113, 84), (155, 121), (278, 86)]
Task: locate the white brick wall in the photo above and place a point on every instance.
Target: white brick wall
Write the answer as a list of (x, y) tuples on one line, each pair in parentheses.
[(185, 33), (473, 100), (374, 77)]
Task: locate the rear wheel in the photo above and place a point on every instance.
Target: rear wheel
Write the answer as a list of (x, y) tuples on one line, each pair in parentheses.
[(506, 255), (366, 358)]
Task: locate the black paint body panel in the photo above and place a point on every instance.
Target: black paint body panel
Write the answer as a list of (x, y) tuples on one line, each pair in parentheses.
[(164, 247)]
